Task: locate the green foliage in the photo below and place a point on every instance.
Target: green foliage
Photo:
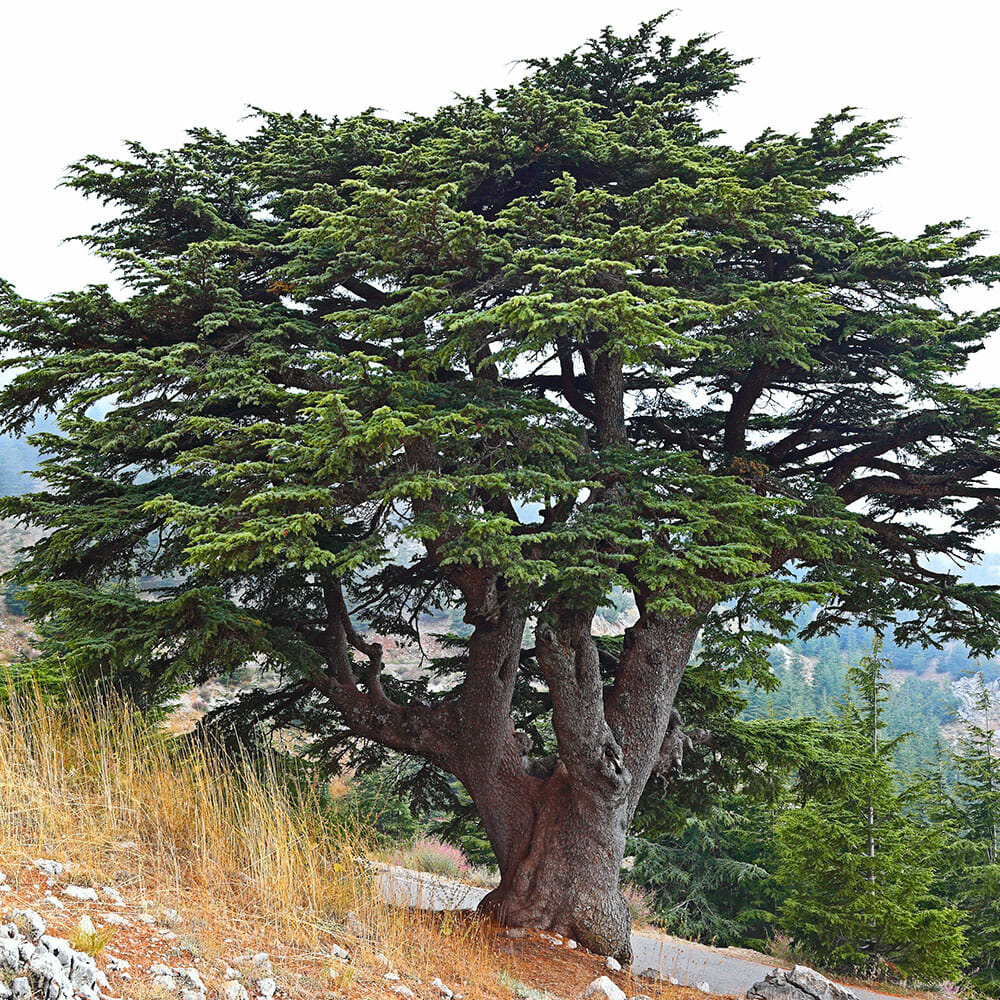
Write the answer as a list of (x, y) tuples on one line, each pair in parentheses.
[(373, 801), (343, 334), (858, 869), (713, 881), (974, 820)]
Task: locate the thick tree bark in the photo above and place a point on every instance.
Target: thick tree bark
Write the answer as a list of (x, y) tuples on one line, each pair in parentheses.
[(558, 827), (565, 876)]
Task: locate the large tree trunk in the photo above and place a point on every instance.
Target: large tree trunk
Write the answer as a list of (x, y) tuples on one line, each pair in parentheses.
[(558, 827), (566, 878)]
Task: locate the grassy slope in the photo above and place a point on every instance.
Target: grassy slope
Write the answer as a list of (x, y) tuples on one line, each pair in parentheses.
[(216, 860)]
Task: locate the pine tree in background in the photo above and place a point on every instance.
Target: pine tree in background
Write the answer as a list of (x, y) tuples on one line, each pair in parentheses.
[(977, 813), (857, 866)]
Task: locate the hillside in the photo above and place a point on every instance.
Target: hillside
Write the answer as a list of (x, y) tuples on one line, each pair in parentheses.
[(160, 870)]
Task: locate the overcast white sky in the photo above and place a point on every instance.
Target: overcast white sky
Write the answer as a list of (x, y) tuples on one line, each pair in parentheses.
[(80, 77)]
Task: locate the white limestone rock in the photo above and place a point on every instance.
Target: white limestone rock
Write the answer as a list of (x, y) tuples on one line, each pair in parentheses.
[(604, 988), (81, 893), (800, 983), (190, 979), (234, 990), (113, 894)]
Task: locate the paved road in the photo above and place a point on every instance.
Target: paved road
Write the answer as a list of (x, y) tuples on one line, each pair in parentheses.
[(687, 962)]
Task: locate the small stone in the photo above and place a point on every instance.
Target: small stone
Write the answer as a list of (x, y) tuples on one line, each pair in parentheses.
[(189, 994), (442, 989), (84, 974), (341, 953), (10, 954), (391, 977), (191, 979), (113, 894), (53, 901), (704, 987), (401, 990), (382, 960), (261, 963), (20, 988), (232, 973), (59, 947), (515, 932), (571, 944), (114, 918), (650, 973), (612, 964), (234, 990), (604, 987), (116, 964), (673, 980), (46, 967), (160, 970), (266, 988), (51, 868), (83, 893), (167, 982)]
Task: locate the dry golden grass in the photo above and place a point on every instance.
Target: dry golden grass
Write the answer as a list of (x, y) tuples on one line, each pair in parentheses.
[(247, 853)]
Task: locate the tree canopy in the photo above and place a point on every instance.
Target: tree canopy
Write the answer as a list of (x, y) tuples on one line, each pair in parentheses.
[(504, 358)]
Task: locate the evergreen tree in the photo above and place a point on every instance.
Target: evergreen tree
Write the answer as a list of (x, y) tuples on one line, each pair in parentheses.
[(547, 341), (858, 868), (714, 880), (829, 676), (977, 814)]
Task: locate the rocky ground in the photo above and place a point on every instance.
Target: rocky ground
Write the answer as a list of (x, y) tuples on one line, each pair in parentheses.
[(62, 938)]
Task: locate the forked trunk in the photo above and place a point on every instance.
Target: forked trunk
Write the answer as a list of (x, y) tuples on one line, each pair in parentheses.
[(558, 826)]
